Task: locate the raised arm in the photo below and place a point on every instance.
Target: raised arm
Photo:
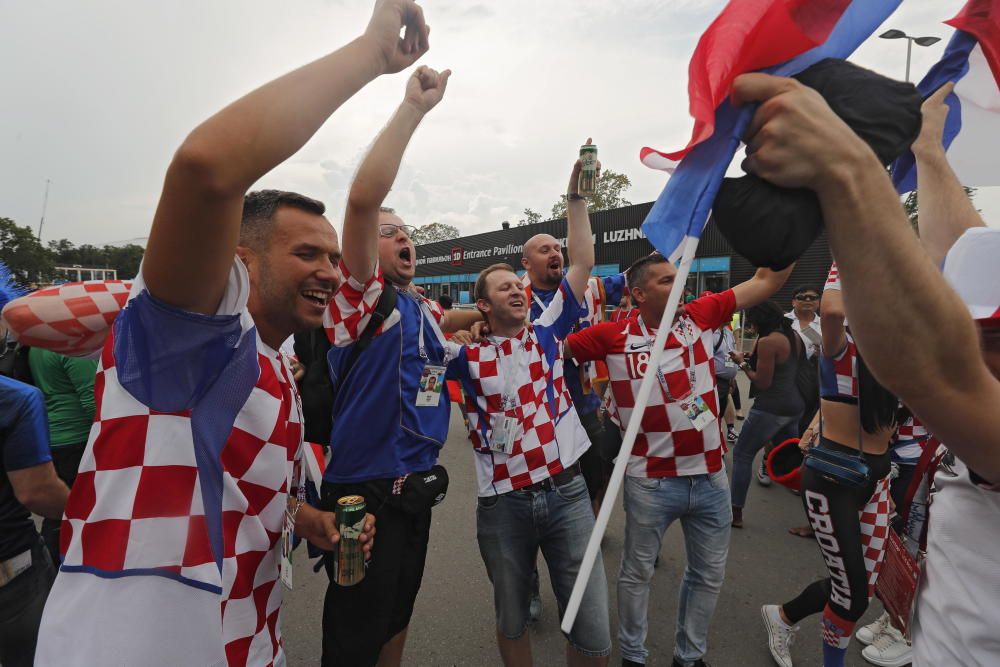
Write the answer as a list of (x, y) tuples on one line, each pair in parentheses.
[(761, 287), (939, 370), (375, 177), (945, 210), (579, 241), (832, 315), (197, 221)]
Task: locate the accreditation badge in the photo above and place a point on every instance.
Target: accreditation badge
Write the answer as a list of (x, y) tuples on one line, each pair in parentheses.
[(698, 412), (431, 385)]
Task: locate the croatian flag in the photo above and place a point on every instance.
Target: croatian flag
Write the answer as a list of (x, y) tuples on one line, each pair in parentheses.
[(780, 37), (972, 130)]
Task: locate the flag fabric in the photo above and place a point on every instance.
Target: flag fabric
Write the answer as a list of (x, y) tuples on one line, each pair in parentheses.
[(315, 463), (780, 37), (972, 129)]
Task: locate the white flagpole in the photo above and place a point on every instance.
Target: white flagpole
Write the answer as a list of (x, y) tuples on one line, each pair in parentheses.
[(628, 442)]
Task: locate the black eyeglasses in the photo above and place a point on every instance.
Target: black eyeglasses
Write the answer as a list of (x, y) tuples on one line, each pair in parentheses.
[(388, 230), (807, 297)]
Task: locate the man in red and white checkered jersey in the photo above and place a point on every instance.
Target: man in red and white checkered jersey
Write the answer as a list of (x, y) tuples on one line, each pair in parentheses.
[(527, 442), (676, 469), (187, 489)]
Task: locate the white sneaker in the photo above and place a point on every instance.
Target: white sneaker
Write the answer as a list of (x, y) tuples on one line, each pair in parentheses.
[(869, 633), (890, 649), (762, 477), (779, 636)]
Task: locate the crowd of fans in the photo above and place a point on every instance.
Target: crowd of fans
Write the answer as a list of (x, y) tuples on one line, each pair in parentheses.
[(163, 441)]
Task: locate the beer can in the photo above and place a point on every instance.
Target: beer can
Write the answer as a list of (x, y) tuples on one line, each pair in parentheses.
[(350, 559), (588, 175)]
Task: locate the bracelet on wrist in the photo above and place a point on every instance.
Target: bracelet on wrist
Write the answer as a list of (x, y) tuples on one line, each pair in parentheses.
[(574, 196)]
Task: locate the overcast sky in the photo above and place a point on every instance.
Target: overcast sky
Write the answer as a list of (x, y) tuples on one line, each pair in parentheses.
[(97, 95)]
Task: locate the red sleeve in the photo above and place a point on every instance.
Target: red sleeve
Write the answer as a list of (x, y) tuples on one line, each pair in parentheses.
[(711, 312), (593, 342)]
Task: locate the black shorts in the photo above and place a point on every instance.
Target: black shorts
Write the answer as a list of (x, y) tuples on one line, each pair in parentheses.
[(358, 620)]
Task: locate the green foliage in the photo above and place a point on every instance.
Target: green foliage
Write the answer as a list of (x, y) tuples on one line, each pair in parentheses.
[(32, 263), (435, 231), (530, 218), (20, 250), (610, 193)]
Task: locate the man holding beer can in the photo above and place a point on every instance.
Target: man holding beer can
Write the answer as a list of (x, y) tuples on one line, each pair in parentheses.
[(527, 443)]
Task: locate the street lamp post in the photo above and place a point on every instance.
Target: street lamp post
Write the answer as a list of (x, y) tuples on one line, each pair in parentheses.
[(921, 41)]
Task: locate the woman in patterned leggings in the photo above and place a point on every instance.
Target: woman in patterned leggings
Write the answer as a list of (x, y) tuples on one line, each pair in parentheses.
[(851, 522)]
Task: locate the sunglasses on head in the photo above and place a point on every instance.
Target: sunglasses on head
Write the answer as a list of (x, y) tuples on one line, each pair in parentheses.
[(807, 297), (388, 230)]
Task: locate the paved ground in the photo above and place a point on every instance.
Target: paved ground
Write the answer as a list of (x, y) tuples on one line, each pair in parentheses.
[(453, 622)]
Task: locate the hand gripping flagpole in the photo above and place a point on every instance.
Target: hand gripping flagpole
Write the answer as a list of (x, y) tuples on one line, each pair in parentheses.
[(621, 463)]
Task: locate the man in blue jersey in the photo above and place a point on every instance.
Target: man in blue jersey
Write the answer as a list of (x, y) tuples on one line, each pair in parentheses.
[(28, 483), (542, 259), (387, 425)]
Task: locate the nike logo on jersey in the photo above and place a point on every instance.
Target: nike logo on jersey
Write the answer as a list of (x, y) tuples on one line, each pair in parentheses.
[(641, 346)]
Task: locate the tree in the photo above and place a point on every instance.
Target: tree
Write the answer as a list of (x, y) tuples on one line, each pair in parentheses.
[(530, 218), (435, 231), (124, 259), (22, 252), (610, 193), (912, 204)]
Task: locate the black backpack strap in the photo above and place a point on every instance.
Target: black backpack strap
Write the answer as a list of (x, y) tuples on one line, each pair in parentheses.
[(383, 308)]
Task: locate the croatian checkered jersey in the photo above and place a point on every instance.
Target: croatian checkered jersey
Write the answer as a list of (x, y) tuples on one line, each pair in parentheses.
[(378, 430), (549, 437), (185, 475), (838, 373), (908, 441), (667, 445), (600, 292)]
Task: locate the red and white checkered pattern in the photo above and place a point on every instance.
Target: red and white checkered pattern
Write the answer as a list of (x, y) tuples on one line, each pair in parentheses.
[(136, 505), (352, 306), (908, 440), (845, 368), (545, 444), (833, 278), (874, 519), (72, 319), (667, 445)]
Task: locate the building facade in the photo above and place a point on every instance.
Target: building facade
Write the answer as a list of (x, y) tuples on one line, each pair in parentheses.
[(450, 267)]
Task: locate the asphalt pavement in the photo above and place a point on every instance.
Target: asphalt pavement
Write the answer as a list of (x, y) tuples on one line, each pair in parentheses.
[(453, 622)]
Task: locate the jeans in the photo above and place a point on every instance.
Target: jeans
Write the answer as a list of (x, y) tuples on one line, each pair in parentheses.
[(701, 502), (21, 604), (511, 527), (758, 429)]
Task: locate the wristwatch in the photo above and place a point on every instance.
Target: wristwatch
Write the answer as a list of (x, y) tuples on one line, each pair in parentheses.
[(574, 196)]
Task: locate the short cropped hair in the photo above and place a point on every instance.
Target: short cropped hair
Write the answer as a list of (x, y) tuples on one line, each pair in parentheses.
[(638, 271), (258, 214), (480, 288)]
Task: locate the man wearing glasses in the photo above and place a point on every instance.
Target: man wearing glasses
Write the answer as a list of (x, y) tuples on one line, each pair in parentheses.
[(805, 321), (385, 426)]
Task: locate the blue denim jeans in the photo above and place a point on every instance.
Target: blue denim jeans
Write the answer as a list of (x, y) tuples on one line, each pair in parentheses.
[(759, 428), (512, 527), (701, 502)]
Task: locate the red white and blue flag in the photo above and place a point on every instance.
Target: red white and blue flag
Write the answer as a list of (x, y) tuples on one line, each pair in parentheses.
[(780, 37), (972, 129)]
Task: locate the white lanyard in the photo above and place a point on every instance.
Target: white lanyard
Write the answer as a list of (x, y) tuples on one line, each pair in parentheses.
[(420, 333), (507, 368), (659, 372)]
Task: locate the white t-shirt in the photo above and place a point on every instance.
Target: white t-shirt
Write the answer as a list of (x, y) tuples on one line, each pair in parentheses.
[(958, 604), (810, 336)]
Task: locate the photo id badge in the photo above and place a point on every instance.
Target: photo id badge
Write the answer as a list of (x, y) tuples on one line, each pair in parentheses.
[(698, 412), (504, 434), (285, 565), (431, 385)]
